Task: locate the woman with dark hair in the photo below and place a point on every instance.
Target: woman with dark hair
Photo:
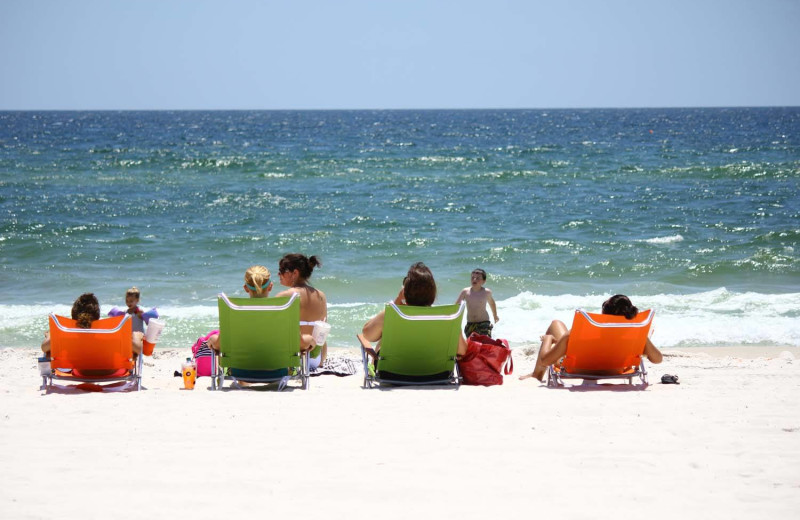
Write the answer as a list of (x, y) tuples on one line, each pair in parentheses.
[(556, 339), (85, 310), (294, 270), (419, 289)]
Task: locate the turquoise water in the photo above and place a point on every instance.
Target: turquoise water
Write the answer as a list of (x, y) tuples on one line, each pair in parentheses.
[(691, 211)]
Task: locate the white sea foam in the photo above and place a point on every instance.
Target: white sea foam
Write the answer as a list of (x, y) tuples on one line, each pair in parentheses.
[(718, 317), (347, 305), (664, 240), (714, 318)]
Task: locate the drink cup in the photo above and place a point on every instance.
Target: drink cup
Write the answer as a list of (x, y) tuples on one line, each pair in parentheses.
[(320, 332), (147, 348), (189, 371), (154, 329)]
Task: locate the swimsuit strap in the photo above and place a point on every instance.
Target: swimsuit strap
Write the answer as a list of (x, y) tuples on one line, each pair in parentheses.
[(309, 323)]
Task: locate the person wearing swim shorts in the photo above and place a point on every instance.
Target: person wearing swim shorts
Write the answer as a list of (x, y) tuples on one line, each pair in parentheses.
[(478, 297)]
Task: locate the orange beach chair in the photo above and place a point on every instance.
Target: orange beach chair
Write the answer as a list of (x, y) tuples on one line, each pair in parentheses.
[(603, 346), (76, 353)]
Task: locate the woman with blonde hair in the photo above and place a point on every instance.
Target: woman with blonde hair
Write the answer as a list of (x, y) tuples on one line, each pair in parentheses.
[(257, 284), (256, 281)]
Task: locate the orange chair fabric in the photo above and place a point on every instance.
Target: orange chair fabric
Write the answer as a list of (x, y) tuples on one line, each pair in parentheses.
[(106, 346), (602, 343)]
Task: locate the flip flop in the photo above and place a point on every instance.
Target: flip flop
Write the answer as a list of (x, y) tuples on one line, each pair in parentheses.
[(669, 379)]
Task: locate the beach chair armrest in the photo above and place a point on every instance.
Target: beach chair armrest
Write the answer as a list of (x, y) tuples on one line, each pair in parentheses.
[(366, 346), (368, 355), (367, 350)]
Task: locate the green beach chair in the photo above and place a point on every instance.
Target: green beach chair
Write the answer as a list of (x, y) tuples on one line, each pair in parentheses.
[(259, 341), (418, 346)]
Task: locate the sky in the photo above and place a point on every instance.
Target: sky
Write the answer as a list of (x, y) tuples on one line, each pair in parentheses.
[(403, 54)]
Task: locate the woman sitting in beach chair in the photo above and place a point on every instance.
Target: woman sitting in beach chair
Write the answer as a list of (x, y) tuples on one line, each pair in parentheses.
[(85, 310), (418, 342), (294, 270), (556, 339), (419, 289), (86, 348), (257, 284)]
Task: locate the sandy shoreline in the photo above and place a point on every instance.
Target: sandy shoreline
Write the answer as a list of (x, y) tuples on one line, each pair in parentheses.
[(724, 443)]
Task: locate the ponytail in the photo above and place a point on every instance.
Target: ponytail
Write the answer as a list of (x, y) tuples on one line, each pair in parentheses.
[(84, 320), (304, 265), (257, 279)]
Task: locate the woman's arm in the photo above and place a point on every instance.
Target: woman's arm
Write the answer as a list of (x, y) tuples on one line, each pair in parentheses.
[(652, 353), (373, 329), (400, 299), (462, 346), (46, 343), (136, 342)]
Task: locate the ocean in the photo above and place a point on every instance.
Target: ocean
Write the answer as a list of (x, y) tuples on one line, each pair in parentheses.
[(693, 212)]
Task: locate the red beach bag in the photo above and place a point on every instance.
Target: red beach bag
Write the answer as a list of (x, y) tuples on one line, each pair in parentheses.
[(486, 361)]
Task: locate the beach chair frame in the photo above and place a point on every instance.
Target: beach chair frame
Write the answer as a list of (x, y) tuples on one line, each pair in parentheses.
[(105, 346), (601, 331), (416, 342), (259, 334)]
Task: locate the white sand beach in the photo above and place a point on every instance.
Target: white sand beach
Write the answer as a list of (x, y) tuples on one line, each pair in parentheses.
[(725, 443)]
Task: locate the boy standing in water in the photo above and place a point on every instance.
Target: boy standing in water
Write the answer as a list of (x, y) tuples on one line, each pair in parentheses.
[(477, 296)]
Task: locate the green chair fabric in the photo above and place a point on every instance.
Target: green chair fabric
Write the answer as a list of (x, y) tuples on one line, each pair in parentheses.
[(418, 345), (261, 335)]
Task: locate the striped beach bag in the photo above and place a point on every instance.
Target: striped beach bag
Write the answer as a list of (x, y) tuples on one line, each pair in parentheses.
[(203, 355)]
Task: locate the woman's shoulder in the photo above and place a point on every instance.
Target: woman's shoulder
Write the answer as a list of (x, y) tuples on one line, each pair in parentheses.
[(287, 292), (311, 292)]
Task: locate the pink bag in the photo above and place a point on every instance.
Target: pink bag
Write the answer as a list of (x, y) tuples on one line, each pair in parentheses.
[(203, 355)]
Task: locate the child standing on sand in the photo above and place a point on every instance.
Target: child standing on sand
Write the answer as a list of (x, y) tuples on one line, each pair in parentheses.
[(477, 296), (138, 316), (132, 296)]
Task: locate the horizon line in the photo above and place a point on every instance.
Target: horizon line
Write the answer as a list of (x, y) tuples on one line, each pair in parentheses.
[(666, 107)]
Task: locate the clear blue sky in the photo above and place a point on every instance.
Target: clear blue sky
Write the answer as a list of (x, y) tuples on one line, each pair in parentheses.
[(330, 54)]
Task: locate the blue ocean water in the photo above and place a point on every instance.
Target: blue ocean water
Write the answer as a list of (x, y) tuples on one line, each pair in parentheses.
[(691, 211)]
